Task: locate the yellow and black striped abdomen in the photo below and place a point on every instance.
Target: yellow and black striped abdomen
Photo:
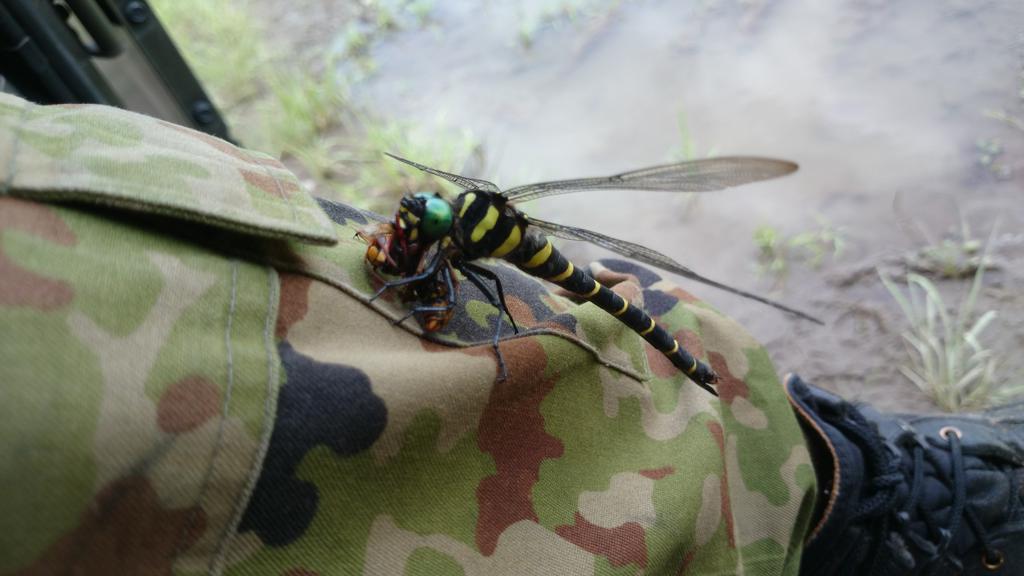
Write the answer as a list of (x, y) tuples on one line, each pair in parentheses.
[(487, 226), (538, 257)]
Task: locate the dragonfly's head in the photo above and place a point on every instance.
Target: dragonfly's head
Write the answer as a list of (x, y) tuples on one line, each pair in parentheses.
[(425, 217)]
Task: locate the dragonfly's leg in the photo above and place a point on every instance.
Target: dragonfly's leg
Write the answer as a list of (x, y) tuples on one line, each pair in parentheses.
[(450, 300), (475, 279), (418, 309), (429, 271), (501, 293), (446, 273)]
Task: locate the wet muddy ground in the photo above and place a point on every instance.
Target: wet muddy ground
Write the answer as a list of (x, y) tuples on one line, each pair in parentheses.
[(882, 103)]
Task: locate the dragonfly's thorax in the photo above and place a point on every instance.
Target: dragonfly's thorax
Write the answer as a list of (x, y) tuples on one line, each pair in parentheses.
[(487, 225)]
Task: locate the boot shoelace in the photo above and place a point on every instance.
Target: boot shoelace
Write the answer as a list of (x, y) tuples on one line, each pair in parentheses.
[(889, 516)]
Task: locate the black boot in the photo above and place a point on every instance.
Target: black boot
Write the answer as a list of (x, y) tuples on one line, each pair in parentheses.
[(913, 494)]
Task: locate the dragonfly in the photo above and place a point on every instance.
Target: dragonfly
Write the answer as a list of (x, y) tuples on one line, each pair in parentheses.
[(430, 237)]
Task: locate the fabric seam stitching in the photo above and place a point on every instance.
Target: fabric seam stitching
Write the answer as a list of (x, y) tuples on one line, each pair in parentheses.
[(225, 407), (218, 560)]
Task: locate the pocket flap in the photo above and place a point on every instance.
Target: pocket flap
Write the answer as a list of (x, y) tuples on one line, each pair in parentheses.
[(105, 155)]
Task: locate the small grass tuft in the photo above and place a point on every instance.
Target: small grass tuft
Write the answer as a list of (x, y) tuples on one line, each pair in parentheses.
[(772, 250), (687, 148), (777, 252), (957, 257), (356, 39), (1007, 118), (422, 10), (947, 358), (989, 151)]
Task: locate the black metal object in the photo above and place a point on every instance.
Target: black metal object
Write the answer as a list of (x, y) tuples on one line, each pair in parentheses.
[(156, 45), (45, 60), (96, 17), (113, 52)]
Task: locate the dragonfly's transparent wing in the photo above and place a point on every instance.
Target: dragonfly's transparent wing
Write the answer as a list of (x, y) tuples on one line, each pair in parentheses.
[(654, 258), (342, 213), (464, 182), (702, 175)]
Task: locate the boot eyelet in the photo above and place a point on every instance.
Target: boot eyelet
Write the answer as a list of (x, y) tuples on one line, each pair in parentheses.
[(993, 562), (945, 431)]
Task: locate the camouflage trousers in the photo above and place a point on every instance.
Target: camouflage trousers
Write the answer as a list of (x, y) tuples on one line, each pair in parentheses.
[(194, 381)]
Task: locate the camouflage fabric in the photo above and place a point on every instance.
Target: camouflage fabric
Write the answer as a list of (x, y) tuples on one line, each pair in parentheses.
[(195, 382)]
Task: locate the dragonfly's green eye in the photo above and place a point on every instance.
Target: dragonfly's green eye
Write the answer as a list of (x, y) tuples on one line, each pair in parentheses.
[(437, 217)]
